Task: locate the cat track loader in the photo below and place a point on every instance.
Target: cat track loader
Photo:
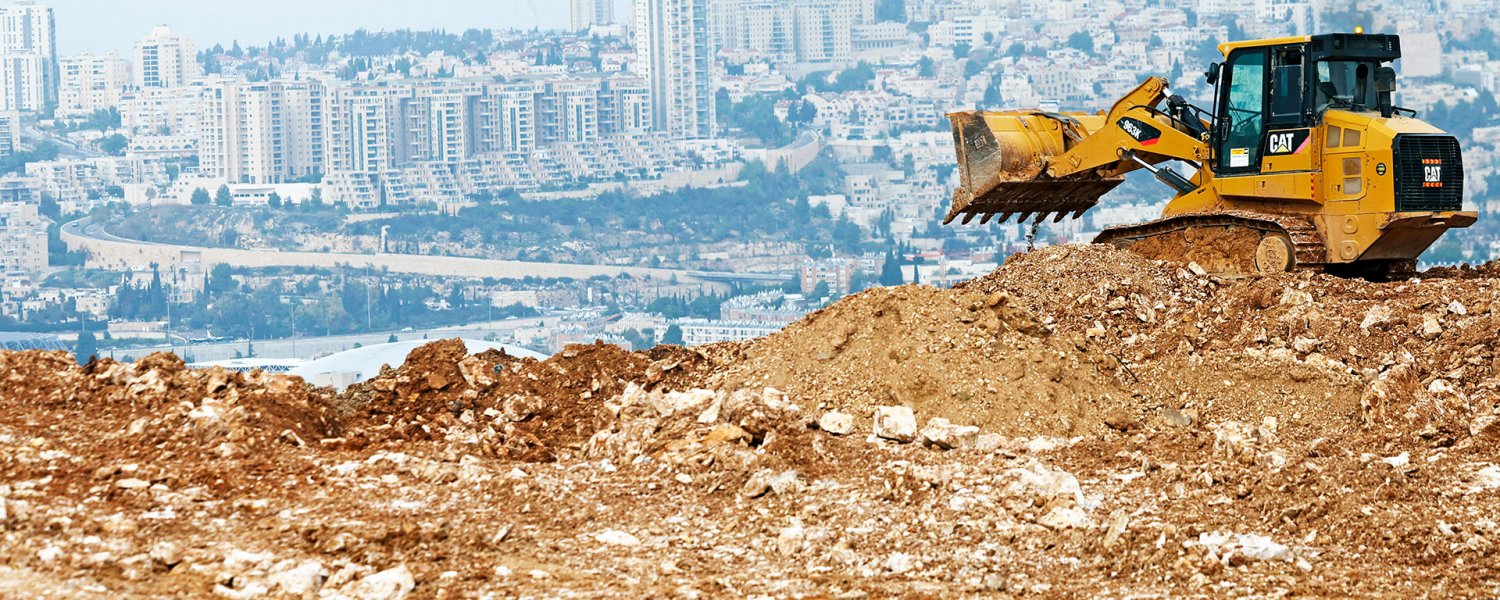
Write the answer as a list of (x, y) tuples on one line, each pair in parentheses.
[(1303, 163)]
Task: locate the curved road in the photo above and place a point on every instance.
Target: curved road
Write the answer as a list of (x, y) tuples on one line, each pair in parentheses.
[(110, 251)]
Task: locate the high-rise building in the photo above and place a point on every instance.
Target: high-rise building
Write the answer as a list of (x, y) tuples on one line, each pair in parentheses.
[(823, 30), (674, 54), (90, 83), (585, 13), (366, 128), (164, 59), (809, 31), (265, 132), (23, 241), (28, 30), (10, 133), (161, 111), (23, 78)]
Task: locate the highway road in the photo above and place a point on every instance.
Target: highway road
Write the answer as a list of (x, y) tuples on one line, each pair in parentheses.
[(316, 346), (108, 251)]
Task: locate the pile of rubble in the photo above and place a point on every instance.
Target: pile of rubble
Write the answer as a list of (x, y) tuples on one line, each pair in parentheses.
[(1083, 421)]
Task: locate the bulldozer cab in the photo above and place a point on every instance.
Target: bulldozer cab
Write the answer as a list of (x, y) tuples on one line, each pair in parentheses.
[(1270, 93)]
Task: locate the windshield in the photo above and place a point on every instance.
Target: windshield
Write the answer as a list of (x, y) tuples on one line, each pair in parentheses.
[(1346, 83)]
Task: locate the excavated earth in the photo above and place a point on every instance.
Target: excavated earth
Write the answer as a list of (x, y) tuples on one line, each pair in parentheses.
[(1139, 429)]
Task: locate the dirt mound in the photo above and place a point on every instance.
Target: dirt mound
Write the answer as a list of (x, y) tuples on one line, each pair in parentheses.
[(495, 405), (971, 357), (1296, 435)]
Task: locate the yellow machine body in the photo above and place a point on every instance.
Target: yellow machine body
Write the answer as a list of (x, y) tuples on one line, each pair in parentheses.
[(1338, 180)]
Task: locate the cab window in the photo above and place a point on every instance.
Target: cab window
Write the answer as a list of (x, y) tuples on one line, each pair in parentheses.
[(1346, 84), (1286, 86), (1243, 117)]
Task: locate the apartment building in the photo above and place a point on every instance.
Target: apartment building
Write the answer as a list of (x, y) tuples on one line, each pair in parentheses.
[(674, 53), (164, 59), (28, 43), (260, 133), (583, 14), (89, 83), (23, 241)]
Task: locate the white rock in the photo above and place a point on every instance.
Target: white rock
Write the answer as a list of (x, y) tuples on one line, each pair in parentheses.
[(239, 561), (300, 580), (900, 562), (989, 441), (1039, 481), (1379, 314), (131, 483), (390, 584), (1305, 345), (836, 423), (1260, 547), (615, 537), (943, 434), (896, 423), (49, 554), (1430, 327), (165, 553), (1487, 478), (1398, 461), (1065, 518), (1249, 545), (786, 482), (1457, 308), (789, 540), (1197, 269)]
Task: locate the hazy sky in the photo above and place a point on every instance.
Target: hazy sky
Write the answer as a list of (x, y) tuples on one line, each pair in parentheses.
[(103, 25)]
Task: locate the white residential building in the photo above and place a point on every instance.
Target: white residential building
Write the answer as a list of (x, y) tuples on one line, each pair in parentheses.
[(583, 14), (23, 77), (161, 111), (10, 133), (28, 29), (674, 54), (261, 133), (164, 60), (90, 83), (23, 241)]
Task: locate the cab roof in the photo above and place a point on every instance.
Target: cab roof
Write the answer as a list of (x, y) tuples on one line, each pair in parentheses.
[(1374, 46)]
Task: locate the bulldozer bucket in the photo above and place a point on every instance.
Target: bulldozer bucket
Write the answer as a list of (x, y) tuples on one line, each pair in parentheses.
[(1002, 159)]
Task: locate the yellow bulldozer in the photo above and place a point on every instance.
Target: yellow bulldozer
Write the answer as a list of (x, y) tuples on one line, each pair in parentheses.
[(1304, 162)]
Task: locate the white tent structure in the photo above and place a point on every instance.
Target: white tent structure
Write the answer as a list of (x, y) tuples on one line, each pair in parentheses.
[(349, 367)]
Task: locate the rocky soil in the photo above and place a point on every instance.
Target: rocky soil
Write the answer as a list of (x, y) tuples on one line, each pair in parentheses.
[(1082, 422)]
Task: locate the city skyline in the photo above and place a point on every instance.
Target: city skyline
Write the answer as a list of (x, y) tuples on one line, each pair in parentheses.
[(80, 30)]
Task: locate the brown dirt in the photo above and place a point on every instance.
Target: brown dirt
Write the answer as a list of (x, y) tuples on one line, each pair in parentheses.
[(1220, 250), (967, 356), (1296, 435)]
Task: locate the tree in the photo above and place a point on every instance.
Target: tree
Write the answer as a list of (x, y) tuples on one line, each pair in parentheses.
[(960, 50), (114, 145), (86, 347), (392, 339), (1082, 41), (200, 197), (673, 335), (890, 271), (223, 197), (274, 200), (926, 67)]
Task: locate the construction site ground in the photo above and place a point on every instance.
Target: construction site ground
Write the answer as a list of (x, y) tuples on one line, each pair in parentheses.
[(1082, 422)]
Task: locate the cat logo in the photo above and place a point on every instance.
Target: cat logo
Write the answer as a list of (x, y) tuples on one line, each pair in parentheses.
[(1286, 142), (1281, 143), (1432, 172)]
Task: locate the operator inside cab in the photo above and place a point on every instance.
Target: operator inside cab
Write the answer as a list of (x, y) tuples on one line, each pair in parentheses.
[(1345, 84)]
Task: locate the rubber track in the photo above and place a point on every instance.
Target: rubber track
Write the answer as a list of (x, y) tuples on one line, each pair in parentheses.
[(1306, 240)]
